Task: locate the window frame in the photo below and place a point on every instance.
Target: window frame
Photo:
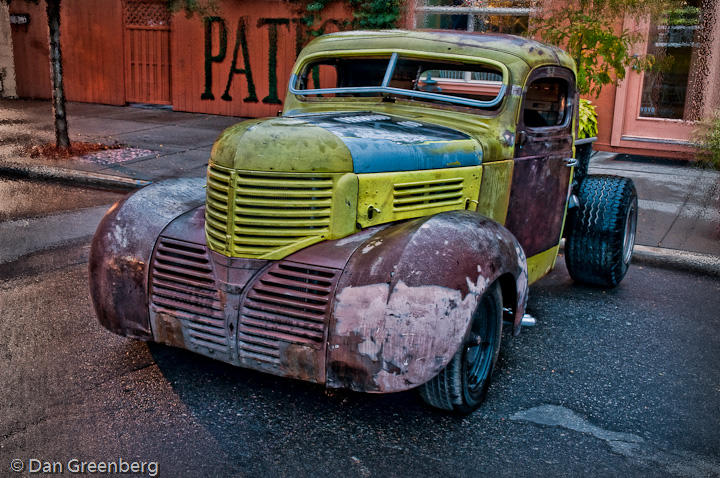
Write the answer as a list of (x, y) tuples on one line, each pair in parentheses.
[(571, 104), (394, 55)]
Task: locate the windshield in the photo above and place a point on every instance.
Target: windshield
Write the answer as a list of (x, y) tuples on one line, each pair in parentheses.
[(474, 84)]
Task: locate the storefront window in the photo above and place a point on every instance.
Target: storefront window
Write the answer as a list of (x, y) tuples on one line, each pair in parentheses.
[(677, 45), (492, 16)]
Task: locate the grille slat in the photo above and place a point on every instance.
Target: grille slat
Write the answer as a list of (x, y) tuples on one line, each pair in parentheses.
[(289, 302), (183, 285), (159, 283), (166, 259), (424, 191), (273, 203), (301, 213), (301, 223), (282, 232), (281, 191), (175, 304), (176, 245), (184, 280), (274, 318), (294, 292), (271, 351), (270, 306), (198, 304), (251, 214), (193, 274), (279, 335), (268, 329), (316, 287), (291, 182), (265, 241), (190, 255)]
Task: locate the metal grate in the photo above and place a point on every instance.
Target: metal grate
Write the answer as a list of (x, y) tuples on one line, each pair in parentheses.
[(424, 194), (146, 13), (251, 214), (183, 286), (289, 303)]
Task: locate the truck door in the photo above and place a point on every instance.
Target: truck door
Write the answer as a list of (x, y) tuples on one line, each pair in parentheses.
[(541, 174)]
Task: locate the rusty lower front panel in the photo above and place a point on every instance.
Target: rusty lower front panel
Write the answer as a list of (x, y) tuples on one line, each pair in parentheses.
[(268, 316), (369, 312)]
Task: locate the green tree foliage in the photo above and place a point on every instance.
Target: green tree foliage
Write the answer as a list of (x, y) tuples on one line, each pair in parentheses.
[(589, 30), (375, 14), (203, 8), (367, 14)]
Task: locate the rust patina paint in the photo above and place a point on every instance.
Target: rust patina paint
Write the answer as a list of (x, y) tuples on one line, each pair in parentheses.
[(382, 309), (406, 297), (122, 247)]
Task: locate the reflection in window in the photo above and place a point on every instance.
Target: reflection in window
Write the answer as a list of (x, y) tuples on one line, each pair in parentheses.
[(674, 43), (477, 82), (545, 103), (490, 16), (363, 77)]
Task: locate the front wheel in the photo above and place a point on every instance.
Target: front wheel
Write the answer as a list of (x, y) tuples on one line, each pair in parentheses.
[(462, 385), (601, 233)]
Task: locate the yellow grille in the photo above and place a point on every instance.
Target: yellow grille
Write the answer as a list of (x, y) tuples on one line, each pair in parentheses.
[(387, 197), (267, 215), (423, 194)]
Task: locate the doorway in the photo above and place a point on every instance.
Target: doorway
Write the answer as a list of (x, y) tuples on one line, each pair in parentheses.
[(147, 52), (660, 108)]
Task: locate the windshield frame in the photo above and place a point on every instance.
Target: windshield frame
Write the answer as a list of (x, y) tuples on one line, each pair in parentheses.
[(392, 62)]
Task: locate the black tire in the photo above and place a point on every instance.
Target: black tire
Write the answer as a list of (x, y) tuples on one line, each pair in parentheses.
[(601, 232), (462, 385)]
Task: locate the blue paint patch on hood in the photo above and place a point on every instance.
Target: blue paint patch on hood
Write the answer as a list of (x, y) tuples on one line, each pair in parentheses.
[(383, 143)]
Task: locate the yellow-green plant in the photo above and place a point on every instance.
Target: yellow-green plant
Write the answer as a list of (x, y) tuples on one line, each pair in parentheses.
[(707, 137), (588, 127)]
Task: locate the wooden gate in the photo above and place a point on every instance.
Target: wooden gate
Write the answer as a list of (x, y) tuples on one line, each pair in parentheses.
[(147, 52)]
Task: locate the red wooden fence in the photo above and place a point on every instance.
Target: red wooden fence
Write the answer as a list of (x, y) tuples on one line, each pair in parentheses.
[(237, 62)]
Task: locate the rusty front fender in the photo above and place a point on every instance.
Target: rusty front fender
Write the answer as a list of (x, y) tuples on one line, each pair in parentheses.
[(406, 298), (122, 247)]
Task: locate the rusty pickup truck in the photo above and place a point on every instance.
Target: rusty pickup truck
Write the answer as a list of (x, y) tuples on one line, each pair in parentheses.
[(378, 234)]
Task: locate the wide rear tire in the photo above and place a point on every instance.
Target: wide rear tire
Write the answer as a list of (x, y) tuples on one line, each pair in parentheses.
[(462, 385), (601, 232)]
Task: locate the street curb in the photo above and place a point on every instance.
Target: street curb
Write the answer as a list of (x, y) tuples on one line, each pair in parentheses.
[(72, 175), (676, 259), (673, 259)]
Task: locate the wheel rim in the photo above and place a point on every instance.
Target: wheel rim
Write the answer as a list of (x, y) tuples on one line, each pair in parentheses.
[(480, 350), (629, 235)]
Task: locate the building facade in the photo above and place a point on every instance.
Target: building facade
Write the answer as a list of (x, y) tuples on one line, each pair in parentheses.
[(238, 62)]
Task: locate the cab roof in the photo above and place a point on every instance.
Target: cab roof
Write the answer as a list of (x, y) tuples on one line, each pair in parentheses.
[(487, 45)]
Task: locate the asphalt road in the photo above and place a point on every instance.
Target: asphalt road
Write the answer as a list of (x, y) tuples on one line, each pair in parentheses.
[(623, 382)]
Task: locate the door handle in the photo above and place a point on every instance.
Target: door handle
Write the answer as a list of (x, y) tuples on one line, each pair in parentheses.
[(570, 162)]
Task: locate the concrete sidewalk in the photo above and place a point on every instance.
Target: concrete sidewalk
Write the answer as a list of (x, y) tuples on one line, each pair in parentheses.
[(679, 204), (160, 143)]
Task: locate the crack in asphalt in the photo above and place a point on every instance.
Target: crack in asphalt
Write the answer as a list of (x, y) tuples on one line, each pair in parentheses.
[(632, 446), (62, 401)]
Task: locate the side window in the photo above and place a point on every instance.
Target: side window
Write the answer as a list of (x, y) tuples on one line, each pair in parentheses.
[(546, 103)]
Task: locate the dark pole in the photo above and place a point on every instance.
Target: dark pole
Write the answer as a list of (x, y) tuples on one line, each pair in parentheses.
[(56, 77)]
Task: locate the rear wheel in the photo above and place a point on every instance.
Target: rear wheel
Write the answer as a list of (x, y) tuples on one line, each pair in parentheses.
[(601, 235), (462, 385)]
